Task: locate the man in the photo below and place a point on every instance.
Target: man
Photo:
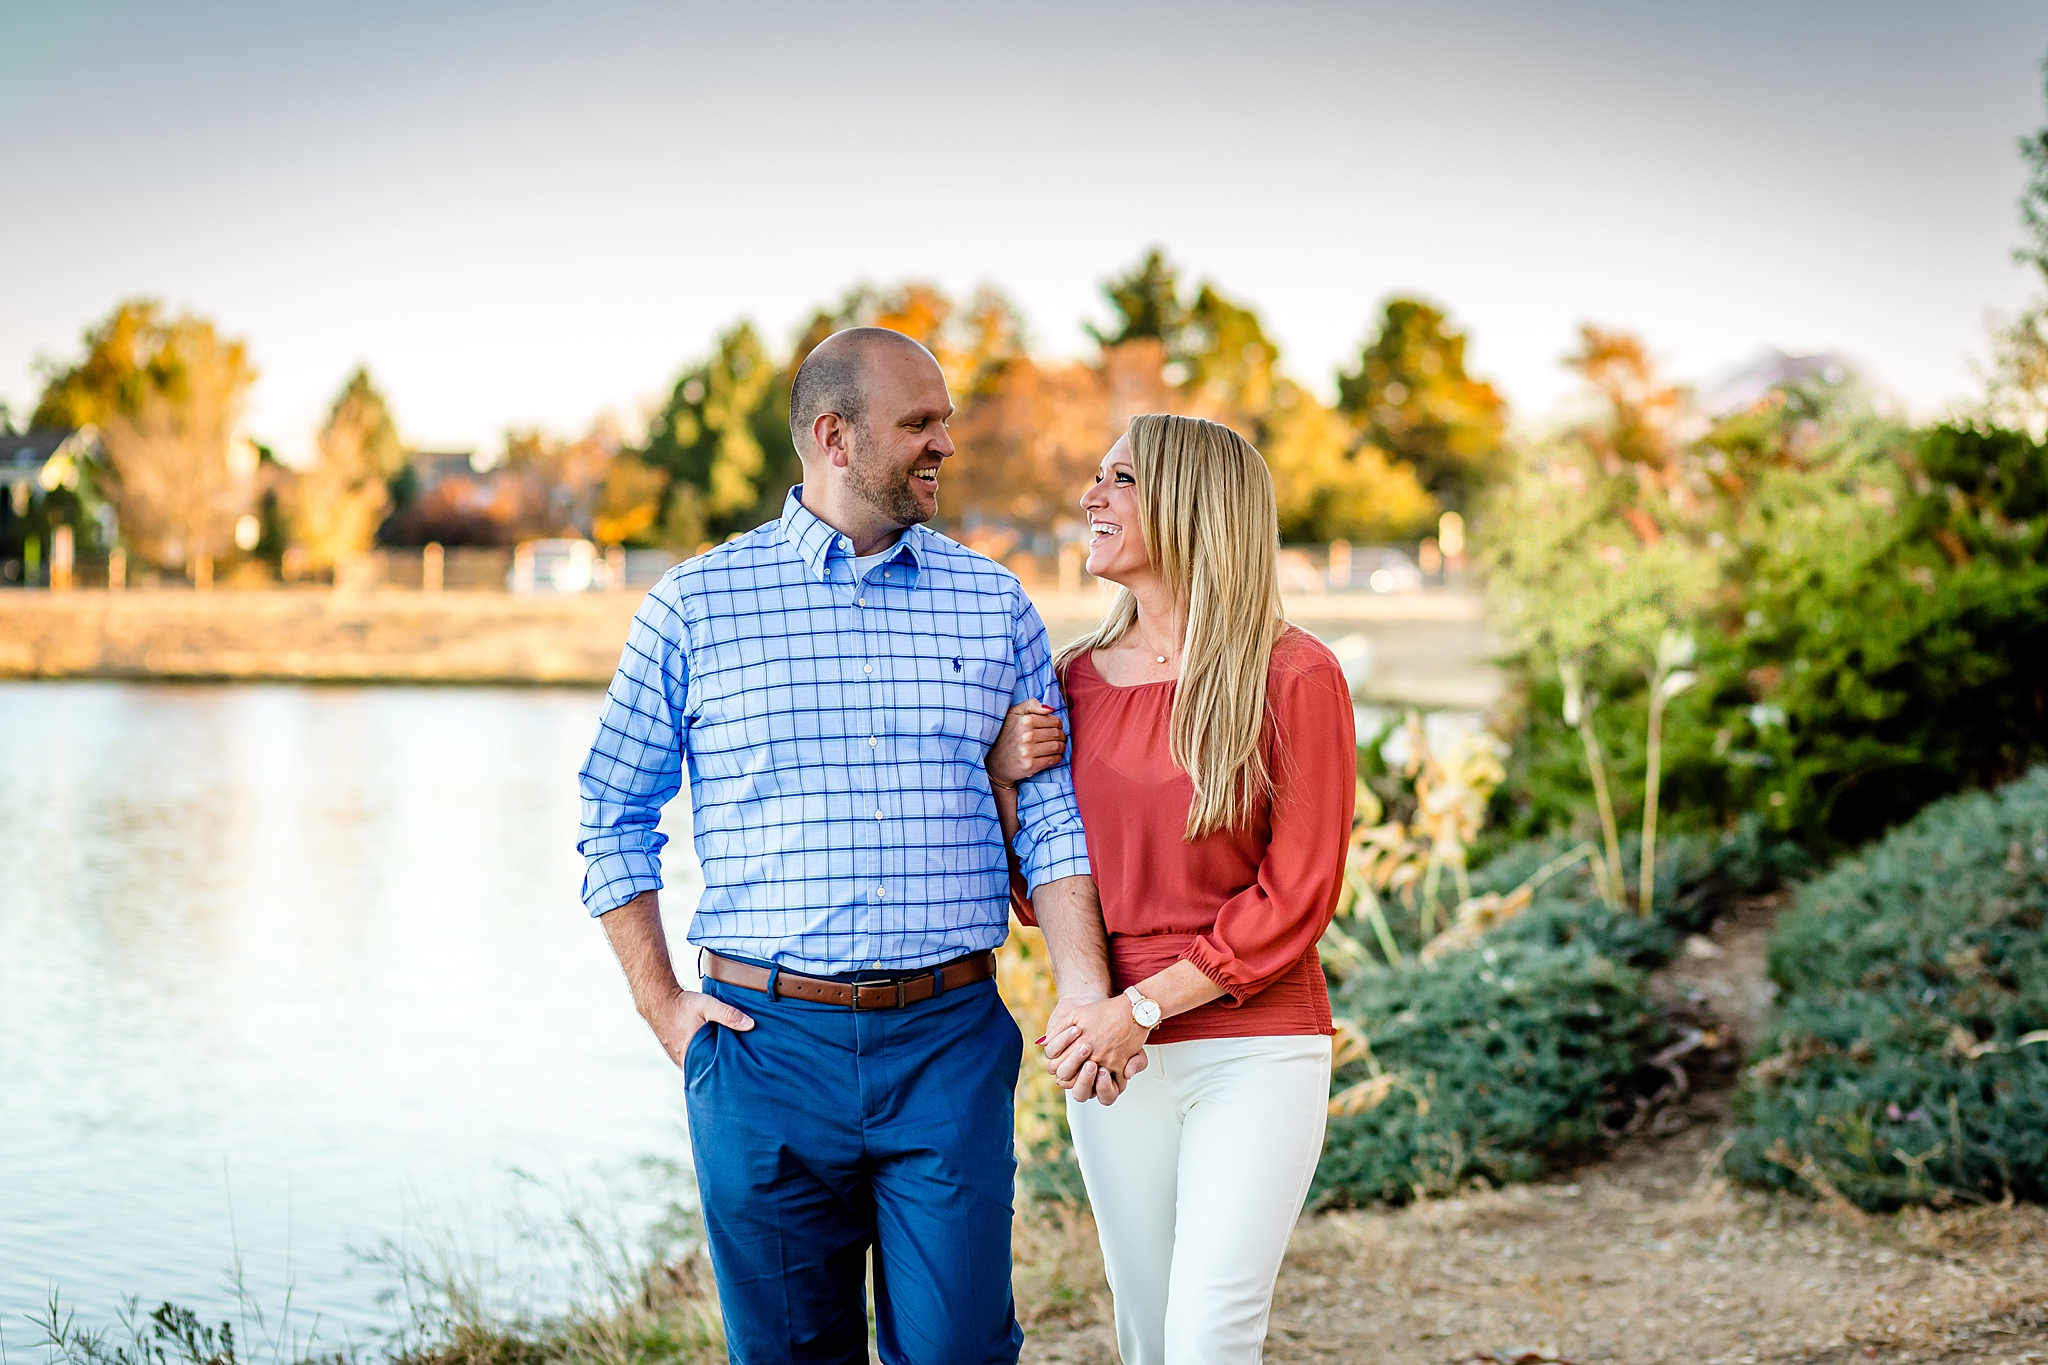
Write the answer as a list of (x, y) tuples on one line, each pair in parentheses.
[(833, 680)]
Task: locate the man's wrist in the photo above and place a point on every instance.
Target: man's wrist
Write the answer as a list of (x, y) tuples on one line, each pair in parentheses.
[(667, 999)]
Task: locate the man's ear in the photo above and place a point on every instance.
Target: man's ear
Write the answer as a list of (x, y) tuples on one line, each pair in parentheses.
[(834, 438)]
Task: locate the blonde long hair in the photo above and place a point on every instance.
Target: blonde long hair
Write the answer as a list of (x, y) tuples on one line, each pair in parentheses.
[(1207, 515)]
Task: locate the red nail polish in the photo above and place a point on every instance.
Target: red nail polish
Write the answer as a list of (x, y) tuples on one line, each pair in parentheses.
[(1040, 1042)]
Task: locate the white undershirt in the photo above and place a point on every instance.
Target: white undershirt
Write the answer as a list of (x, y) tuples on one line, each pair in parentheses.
[(862, 563)]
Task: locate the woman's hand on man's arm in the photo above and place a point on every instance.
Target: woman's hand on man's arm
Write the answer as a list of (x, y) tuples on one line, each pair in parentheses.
[(1031, 741)]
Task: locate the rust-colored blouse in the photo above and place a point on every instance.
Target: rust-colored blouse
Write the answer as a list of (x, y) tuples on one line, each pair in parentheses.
[(1246, 906)]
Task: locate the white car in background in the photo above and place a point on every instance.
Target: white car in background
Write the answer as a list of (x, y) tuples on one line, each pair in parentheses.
[(550, 566), (1382, 569)]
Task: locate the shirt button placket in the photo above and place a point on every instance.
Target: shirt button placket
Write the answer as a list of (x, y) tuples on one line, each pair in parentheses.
[(878, 895)]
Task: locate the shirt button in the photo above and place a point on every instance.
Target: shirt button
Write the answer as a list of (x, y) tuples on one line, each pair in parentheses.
[(860, 601), (878, 815), (878, 893), (845, 544), (867, 668), (871, 741)]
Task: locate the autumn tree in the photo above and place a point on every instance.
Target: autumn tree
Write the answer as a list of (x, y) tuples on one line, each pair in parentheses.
[(1028, 442), (166, 394), (1328, 485), (971, 343), (342, 500), (1411, 398), (1641, 412), (629, 505), (562, 485)]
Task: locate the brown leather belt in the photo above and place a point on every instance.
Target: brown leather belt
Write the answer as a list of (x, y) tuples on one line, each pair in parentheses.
[(892, 994)]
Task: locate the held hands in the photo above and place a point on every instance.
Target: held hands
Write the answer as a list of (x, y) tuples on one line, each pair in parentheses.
[(675, 1020), (1094, 1047), (1031, 742)]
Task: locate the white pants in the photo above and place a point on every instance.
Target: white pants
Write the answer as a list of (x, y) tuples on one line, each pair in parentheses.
[(1197, 1174)]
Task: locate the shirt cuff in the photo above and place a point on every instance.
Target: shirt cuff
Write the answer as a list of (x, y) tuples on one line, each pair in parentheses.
[(1057, 856), (613, 878)]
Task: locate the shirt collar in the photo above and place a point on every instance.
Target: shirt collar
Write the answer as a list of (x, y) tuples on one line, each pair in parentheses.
[(817, 544)]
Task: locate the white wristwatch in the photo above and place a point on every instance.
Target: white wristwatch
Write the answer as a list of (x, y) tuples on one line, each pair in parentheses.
[(1146, 1012)]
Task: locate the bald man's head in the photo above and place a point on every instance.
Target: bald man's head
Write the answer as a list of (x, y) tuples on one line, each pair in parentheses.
[(834, 378)]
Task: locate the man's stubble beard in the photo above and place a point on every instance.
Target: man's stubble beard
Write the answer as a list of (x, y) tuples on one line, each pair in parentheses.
[(885, 489)]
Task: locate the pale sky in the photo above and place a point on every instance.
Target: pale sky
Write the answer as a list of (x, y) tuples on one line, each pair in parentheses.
[(519, 213)]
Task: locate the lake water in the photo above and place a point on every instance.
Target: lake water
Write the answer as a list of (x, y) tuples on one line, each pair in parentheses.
[(287, 973)]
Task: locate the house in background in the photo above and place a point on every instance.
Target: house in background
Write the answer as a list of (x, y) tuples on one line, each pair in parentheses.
[(47, 502)]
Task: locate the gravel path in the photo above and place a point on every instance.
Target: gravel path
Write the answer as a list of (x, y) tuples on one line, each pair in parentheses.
[(1647, 1257)]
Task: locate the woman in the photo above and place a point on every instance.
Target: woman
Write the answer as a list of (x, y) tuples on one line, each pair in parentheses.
[(1215, 765)]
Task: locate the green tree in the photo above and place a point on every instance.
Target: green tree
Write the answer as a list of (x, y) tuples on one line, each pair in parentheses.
[(1213, 359), (1411, 397), (2034, 199), (340, 502), (1229, 362), (166, 394), (723, 440), (1147, 303), (2017, 392)]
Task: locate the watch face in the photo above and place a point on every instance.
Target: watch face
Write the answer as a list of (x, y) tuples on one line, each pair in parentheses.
[(1147, 1014)]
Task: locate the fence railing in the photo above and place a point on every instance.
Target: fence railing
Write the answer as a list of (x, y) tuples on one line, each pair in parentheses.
[(549, 567), (1338, 567)]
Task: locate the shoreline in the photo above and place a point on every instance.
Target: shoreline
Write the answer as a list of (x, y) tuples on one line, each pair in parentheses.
[(1427, 648)]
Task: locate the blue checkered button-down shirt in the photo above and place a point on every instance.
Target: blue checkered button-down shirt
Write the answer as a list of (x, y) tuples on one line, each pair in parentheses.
[(835, 732)]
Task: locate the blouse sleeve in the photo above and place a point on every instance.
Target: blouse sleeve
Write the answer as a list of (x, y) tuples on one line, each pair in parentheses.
[(1261, 932)]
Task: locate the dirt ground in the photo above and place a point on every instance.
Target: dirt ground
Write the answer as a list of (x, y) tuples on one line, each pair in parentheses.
[(1647, 1256)]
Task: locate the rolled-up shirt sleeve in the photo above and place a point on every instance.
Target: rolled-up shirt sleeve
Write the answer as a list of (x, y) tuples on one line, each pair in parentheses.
[(635, 765), (1312, 753), (1049, 843)]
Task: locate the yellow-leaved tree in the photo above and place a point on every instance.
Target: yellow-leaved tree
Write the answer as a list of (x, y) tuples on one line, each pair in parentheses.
[(166, 395), (340, 502)]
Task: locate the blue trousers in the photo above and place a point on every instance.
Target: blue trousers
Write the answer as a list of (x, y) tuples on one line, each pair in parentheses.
[(822, 1133)]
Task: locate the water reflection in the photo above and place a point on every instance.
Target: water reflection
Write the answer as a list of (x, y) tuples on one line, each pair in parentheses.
[(313, 950)]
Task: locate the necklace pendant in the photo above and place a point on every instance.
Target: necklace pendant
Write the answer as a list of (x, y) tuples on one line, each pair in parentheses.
[(1159, 658)]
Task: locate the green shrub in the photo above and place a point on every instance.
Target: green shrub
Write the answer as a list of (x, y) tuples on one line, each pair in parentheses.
[(1893, 635), (1908, 1062), (1505, 1060), (1496, 1062), (1870, 605)]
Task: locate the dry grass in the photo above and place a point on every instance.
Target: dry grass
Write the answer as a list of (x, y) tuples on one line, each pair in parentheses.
[(1058, 1267)]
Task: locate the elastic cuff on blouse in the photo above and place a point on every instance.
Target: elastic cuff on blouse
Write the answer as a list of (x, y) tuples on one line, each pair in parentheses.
[(1210, 964)]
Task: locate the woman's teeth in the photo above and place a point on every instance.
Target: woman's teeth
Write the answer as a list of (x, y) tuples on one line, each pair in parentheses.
[(1103, 528)]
